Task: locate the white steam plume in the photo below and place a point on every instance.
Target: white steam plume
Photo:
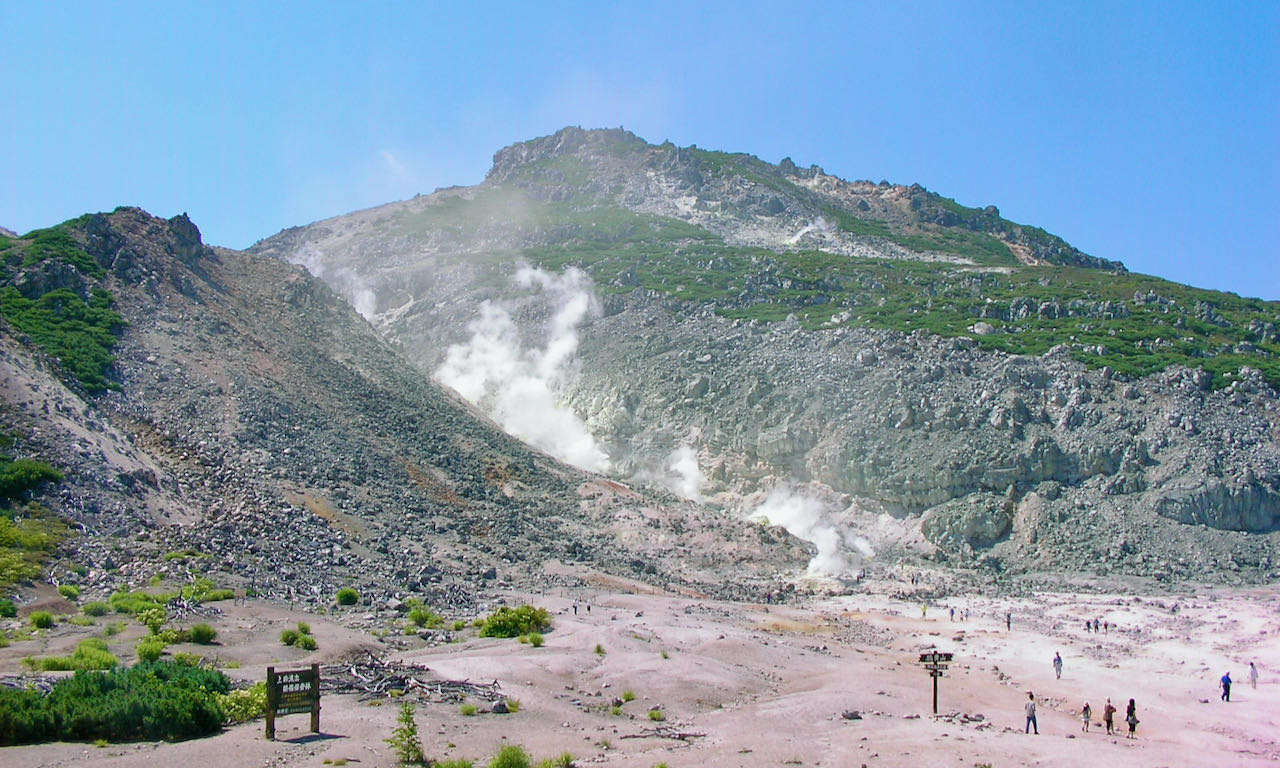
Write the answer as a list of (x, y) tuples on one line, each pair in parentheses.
[(687, 477), (809, 518), (516, 382)]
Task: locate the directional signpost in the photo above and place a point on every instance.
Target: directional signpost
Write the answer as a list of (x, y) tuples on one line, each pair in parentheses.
[(936, 662)]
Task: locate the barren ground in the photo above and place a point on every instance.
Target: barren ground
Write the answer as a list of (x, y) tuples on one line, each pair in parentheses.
[(766, 685)]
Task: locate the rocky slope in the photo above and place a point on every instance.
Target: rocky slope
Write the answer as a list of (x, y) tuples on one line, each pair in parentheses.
[(252, 416), (934, 378)]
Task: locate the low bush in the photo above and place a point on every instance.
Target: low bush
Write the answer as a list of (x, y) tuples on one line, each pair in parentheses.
[(150, 649), (96, 608), (510, 756), (628, 695), (41, 619), (536, 639), (245, 704), (69, 591), (347, 596), (423, 617), (202, 634), (7, 608), (91, 653), (468, 710), (657, 715), (304, 628), (151, 701), (513, 622), (306, 643), (290, 636)]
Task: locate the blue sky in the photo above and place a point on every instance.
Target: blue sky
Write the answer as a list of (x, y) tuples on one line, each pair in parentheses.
[(1144, 132)]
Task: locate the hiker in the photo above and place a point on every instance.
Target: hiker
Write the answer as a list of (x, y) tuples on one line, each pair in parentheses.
[(1225, 682), (1109, 716), (1008, 621), (924, 609), (1057, 665), (1131, 717), (1030, 708), (1095, 626), (953, 613), (1106, 627), (575, 607), (966, 614), (1253, 675), (1086, 714)]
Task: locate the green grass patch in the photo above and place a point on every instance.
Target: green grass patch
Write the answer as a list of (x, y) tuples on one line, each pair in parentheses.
[(90, 653)]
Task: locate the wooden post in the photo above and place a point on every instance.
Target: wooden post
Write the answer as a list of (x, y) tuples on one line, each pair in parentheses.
[(272, 703), (315, 698)]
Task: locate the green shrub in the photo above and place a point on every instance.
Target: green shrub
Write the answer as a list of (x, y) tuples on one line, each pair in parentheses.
[(348, 596), (599, 649), (513, 706), (306, 643), (41, 619), (203, 634), (510, 756), (459, 625), (245, 704), (628, 695), (135, 602), (467, 710), (455, 763), (304, 628), (615, 711), (79, 333), (151, 701), (90, 653), (153, 619), (96, 608), (404, 740), (513, 622), (536, 639), (20, 475), (423, 617), (290, 636), (149, 649), (69, 591), (657, 715), (7, 608)]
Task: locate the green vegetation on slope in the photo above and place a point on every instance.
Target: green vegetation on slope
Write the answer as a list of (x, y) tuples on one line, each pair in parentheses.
[(1136, 324), (79, 330)]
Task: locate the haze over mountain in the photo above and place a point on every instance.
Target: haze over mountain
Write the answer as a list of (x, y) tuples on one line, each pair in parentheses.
[(213, 401), (878, 367)]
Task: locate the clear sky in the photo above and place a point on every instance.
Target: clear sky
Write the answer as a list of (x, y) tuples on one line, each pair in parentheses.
[(1144, 132)]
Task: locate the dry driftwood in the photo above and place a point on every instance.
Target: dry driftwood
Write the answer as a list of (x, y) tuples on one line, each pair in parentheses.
[(374, 678), (665, 732)]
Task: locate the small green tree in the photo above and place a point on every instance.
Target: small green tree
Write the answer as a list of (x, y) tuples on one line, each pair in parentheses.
[(152, 618), (348, 596), (405, 740)]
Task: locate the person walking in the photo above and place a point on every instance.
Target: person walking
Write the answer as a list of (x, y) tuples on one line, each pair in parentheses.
[(1030, 709), (1225, 682), (1086, 715), (1253, 676), (1109, 716), (1008, 621), (1057, 665), (1131, 717)]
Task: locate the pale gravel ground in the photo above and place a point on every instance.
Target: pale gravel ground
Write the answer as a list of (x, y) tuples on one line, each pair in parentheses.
[(766, 685)]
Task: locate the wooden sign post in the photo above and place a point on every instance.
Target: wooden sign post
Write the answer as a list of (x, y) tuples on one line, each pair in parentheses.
[(936, 662), (293, 692)]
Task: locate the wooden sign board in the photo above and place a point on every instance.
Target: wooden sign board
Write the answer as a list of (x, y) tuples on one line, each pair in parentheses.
[(293, 692)]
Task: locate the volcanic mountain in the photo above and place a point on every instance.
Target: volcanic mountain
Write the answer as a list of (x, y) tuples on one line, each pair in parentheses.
[(883, 370)]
